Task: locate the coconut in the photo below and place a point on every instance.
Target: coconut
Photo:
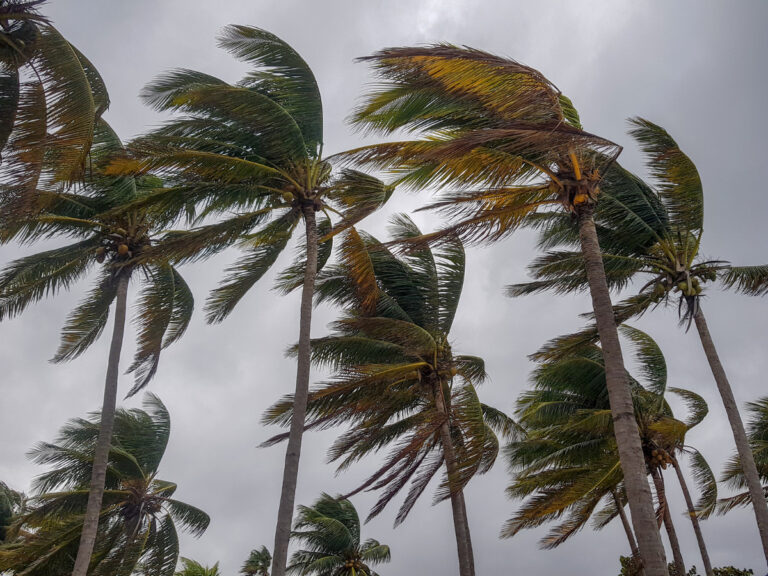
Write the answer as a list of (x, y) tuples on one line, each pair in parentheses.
[(287, 196), (123, 249), (580, 199)]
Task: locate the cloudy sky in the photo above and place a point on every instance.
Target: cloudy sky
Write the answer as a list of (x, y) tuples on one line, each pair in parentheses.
[(695, 67)]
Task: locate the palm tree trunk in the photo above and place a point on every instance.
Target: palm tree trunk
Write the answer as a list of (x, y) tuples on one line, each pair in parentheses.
[(293, 452), (460, 521), (622, 410), (746, 457), (626, 525), (674, 543), (694, 518), (101, 454)]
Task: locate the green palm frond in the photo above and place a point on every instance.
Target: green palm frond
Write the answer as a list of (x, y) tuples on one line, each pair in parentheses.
[(750, 280)]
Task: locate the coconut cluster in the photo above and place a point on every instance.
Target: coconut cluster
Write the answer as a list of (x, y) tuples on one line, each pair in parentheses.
[(660, 458), (118, 244), (689, 284)]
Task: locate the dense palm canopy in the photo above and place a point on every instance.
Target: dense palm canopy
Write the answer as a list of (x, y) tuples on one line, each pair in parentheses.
[(670, 264), (391, 355), (139, 516), (109, 236), (258, 563), (567, 466), (51, 98), (11, 503), (328, 535)]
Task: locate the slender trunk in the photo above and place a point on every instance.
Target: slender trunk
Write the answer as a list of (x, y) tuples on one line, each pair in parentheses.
[(746, 458), (627, 527), (622, 410), (293, 452), (694, 518), (674, 543), (630, 535), (101, 454), (460, 521)]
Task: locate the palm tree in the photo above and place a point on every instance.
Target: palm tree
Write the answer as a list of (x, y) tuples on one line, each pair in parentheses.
[(51, 98), (192, 568), (11, 504), (733, 474), (398, 382), (138, 517), (258, 563), (670, 264), (254, 150), (513, 145), (568, 465), (110, 232), (328, 533)]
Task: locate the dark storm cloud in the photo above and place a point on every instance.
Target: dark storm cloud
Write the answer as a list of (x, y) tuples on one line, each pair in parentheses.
[(696, 68)]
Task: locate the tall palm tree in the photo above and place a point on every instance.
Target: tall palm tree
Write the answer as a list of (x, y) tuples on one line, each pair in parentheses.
[(258, 563), (568, 465), (138, 517), (512, 144), (51, 98), (398, 382), (671, 264), (193, 568), (112, 234), (328, 533), (254, 150)]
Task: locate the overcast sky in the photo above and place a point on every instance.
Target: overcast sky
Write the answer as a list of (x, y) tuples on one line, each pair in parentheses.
[(695, 67)]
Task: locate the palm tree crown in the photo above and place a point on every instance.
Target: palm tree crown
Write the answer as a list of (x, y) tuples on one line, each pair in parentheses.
[(328, 534), (139, 516), (258, 563)]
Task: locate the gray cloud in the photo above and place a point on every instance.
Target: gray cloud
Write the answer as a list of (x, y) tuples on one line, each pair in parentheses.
[(696, 68)]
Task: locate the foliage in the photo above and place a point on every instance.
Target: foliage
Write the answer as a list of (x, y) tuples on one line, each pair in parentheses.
[(249, 157), (328, 534), (192, 568), (391, 357), (139, 517), (258, 563), (628, 568), (108, 232), (11, 504), (567, 467)]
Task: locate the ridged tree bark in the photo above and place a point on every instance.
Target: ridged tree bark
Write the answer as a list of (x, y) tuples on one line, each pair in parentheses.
[(694, 518), (460, 521), (293, 451), (746, 457), (674, 543), (622, 410), (101, 453)]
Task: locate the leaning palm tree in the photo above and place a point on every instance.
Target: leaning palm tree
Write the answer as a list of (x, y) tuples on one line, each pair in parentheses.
[(254, 150), (258, 563), (112, 235), (671, 264), (328, 534), (51, 98), (139, 516), (512, 145), (398, 382), (567, 465), (193, 568)]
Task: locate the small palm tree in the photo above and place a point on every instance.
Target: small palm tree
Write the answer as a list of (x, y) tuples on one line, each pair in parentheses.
[(192, 568), (258, 563), (251, 155), (51, 98), (138, 519), (111, 234), (671, 264), (733, 474), (398, 382), (513, 146), (568, 463), (328, 534)]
